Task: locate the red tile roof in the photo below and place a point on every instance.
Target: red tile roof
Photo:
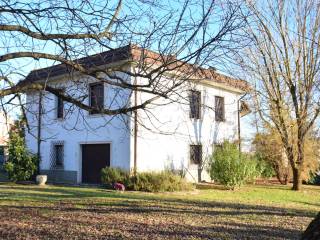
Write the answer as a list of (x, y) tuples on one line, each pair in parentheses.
[(135, 53)]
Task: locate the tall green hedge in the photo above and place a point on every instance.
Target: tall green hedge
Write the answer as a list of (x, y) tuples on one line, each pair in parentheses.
[(21, 164), (232, 168)]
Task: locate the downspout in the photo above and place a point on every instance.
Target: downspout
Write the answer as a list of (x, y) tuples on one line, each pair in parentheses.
[(239, 122), (135, 132), (39, 131)]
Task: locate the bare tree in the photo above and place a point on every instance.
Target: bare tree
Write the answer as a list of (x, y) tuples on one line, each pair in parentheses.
[(284, 62), (45, 33)]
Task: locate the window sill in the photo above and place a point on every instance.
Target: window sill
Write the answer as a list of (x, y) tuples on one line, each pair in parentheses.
[(57, 169), (196, 119), (95, 115), (220, 121), (194, 166)]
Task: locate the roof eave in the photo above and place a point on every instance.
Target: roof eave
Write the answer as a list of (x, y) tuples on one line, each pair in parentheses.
[(226, 87)]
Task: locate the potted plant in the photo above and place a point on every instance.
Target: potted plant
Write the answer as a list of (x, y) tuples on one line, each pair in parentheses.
[(41, 180)]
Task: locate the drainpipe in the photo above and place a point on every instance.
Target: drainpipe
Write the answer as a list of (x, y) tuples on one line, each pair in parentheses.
[(135, 132), (239, 122), (39, 131)]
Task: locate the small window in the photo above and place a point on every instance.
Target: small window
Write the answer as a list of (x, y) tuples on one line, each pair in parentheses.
[(196, 154), (58, 155), (195, 104), (219, 109), (96, 97), (59, 108)]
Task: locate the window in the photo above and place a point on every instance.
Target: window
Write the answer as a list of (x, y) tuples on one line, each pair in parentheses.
[(219, 108), (58, 155), (196, 154), (195, 104), (59, 108), (96, 97)]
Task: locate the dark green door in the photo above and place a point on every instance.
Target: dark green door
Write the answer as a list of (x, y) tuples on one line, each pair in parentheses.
[(94, 158)]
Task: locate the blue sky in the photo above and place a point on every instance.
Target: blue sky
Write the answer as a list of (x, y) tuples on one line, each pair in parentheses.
[(164, 15)]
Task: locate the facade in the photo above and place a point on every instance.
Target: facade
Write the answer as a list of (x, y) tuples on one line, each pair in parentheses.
[(177, 135)]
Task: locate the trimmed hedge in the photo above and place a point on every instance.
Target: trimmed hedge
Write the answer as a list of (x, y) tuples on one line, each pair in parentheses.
[(164, 181)]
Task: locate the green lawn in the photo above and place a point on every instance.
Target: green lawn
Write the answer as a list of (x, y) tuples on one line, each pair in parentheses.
[(254, 212)]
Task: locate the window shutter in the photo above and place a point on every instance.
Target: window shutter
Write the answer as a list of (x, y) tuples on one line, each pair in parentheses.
[(96, 96), (195, 104), (59, 108), (196, 154), (219, 109)]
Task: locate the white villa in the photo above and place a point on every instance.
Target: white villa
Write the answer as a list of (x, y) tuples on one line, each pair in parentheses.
[(75, 144)]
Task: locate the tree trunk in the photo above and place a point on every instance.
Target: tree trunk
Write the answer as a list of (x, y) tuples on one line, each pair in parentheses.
[(286, 179), (313, 230), (298, 167), (297, 182), (296, 170), (281, 178)]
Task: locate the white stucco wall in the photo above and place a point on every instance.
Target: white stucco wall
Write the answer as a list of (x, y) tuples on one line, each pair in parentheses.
[(165, 138), (164, 132), (78, 127)]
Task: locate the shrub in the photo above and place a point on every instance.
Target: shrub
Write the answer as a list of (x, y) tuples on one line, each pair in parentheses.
[(264, 167), (269, 146), (110, 176), (21, 164), (232, 168), (164, 181), (145, 181), (314, 178)]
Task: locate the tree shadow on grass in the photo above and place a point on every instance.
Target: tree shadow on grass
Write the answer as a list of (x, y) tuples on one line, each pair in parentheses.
[(211, 209), (226, 230), (132, 199), (79, 201), (142, 230), (308, 203)]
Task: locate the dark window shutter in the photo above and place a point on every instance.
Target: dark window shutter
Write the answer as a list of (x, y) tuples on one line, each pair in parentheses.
[(195, 104), (59, 108), (96, 97), (219, 109), (196, 154)]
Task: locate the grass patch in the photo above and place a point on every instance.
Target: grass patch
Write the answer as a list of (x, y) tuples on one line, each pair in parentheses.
[(270, 212)]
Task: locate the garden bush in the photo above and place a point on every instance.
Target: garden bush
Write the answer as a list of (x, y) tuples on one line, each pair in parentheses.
[(314, 178), (264, 167), (21, 164), (164, 181), (232, 168), (110, 176)]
